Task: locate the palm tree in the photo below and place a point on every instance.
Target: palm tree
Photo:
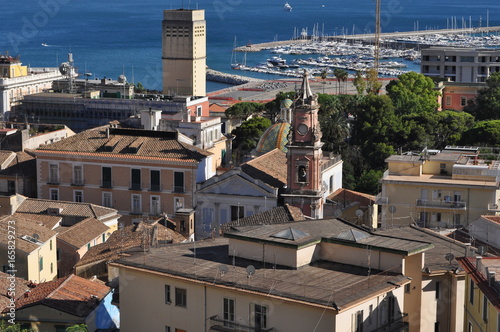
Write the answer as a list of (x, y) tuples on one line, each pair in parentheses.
[(344, 75), (335, 129), (337, 72)]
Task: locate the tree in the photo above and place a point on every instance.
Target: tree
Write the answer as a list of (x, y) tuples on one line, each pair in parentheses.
[(413, 93), (335, 130), (487, 104), (373, 85), (484, 133), (359, 82), (77, 328), (4, 327), (344, 75), (244, 109), (337, 72), (273, 107), (369, 182), (139, 87), (249, 133)]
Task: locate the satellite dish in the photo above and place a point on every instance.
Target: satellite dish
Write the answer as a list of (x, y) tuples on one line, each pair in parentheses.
[(223, 269), (392, 209), (337, 213), (250, 270), (64, 68), (449, 257), (122, 79), (359, 213), (36, 236)]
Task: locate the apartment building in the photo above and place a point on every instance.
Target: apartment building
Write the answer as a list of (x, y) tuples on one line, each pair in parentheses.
[(297, 276), (140, 173), (466, 65), (482, 306), (439, 188)]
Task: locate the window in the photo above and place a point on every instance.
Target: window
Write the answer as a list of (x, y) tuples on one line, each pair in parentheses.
[(106, 177), (78, 174), (40, 264), (135, 179), (331, 183), (51, 268), (155, 205), (167, 328), (11, 187), (54, 173), (167, 294), (106, 199), (155, 180), (471, 292), (407, 288), (448, 100), (88, 246), (485, 308), (237, 212), (228, 312), (178, 182), (370, 314), (438, 290), (50, 244), (302, 174), (178, 203), (463, 101), (54, 194), (260, 317), (469, 328), (358, 321), (103, 238), (436, 327), (198, 110), (136, 203), (180, 297), (78, 196)]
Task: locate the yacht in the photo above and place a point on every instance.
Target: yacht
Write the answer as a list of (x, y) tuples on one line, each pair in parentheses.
[(287, 7)]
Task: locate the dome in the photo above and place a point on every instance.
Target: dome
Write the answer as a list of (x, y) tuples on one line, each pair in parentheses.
[(287, 103), (274, 137)]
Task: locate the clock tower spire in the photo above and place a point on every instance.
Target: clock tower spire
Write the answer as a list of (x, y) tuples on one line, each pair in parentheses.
[(304, 154)]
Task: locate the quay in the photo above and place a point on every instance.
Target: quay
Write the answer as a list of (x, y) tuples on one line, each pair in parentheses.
[(366, 38)]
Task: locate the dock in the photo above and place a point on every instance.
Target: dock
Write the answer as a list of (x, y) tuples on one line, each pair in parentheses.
[(365, 38)]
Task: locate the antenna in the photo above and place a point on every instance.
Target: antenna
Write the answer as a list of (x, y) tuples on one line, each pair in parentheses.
[(223, 269), (36, 236), (337, 213), (250, 271)]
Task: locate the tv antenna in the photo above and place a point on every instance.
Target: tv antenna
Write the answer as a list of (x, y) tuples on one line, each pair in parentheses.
[(250, 271)]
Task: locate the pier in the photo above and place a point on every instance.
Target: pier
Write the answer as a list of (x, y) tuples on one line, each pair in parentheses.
[(365, 38)]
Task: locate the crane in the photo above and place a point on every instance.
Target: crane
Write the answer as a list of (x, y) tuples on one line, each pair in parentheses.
[(376, 57)]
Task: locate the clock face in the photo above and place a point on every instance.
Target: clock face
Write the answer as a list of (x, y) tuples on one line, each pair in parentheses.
[(302, 129)]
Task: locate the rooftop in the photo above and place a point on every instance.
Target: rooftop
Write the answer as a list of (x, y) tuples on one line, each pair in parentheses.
[(82, 232), (323, 283), (269, 168), (30, 233), (128, 143)]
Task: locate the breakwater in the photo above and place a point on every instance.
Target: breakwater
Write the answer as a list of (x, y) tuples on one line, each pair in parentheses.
[(217, 76)]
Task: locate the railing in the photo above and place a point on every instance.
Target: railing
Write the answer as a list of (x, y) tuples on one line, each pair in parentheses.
[(106, 184), (135, 186), (53, 180), (493, 207), (331, 162), (232, 326), (77, 182), (395, 325), (178, 189), (155, 187), (460, 205)]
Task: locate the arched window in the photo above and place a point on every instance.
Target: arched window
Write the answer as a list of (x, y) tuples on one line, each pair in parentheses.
[(331, 183), (302, 174)]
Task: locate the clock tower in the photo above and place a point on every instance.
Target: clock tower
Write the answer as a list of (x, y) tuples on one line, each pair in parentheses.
[(304, 155)]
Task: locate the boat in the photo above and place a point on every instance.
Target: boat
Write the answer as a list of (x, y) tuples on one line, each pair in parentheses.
[(287, 7), (43, 44), (277, 61)]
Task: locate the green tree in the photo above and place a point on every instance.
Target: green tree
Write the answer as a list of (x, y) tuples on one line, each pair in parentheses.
[(77, 328), (335, 130), (244, 109), (413, 93), (344, 76), (373, 85), (4, 327), (369, 182), (139, 87), (359, 82), (487, 104), (484, 133), (337, 72), (273, 107), (249, 133)]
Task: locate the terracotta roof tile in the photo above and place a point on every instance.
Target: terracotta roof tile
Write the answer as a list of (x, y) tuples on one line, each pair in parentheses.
[(269, 168), (126, 238), (71, 294), (21, 286), (48, 221), (40, 206), (22, 164), (24, 227), (154, 144), (82, 232)]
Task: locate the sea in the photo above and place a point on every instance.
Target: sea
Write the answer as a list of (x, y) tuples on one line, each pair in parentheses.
[(114, 37)]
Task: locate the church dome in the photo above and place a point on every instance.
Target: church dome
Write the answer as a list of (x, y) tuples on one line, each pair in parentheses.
[(274, 137), (287, 103)]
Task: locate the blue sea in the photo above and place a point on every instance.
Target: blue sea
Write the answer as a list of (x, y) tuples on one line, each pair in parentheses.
[(108, 38)]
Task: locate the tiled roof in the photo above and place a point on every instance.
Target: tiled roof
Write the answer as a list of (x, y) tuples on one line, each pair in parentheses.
[(321, 283), (71, 294), (21, 286), (435, 259), (216, 108), (269, 168), (346, 196), (5, 156), (495, 219), (24, 227), (125, 143), (82, 232), (40, 206), (22, 164), (277, 215), (45, 220), (126, 238)]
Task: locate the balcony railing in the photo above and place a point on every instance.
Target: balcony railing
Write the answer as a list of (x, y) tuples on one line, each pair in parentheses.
[(178, 189), (493, 207), (77, 182), (232, 326), (53, 180), (106, 184), (135, 186), (155, 187), (455, 205)]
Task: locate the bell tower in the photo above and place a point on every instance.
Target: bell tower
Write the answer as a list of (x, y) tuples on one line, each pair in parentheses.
[(304, 154)]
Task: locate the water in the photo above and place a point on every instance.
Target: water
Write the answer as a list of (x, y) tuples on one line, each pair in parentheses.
[(111, 37)]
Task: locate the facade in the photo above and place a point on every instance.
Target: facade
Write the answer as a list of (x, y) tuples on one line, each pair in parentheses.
[(455, 96), (297, 276), (17, 173), (17, 81), (487, 230), (64, 302), (465, 65), (184, 52), (140, 173), (448, 188), (355, 207), (35, 249), (304, 155), (482, 306)]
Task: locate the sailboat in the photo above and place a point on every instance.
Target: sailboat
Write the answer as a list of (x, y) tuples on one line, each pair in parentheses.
[(287, 7), (234, 63)]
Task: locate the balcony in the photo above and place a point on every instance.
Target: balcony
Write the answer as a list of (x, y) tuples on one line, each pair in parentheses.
[(229, 326), (178, 189), (135, 186), (53, 180), (155, 187), (451, 205), (493, 207), (106, 184), (77, 182)]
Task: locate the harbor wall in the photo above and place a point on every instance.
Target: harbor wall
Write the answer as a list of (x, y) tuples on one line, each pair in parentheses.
[(217, 76)]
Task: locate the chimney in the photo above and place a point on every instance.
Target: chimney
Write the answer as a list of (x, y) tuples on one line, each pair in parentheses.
[(467, 245), (107, 132), (491, 278), (478, 262)]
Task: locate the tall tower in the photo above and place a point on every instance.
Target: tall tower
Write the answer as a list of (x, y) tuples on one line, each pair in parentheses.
[(304, 155), (184, 52)]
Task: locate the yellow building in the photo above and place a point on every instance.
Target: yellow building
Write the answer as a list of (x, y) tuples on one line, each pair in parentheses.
[(184, 52), (448, 188), (482, 301)]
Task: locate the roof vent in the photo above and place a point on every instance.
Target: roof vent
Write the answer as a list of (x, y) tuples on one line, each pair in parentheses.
[(290, 234), (353, 235), (53, 211), (31, 239)]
